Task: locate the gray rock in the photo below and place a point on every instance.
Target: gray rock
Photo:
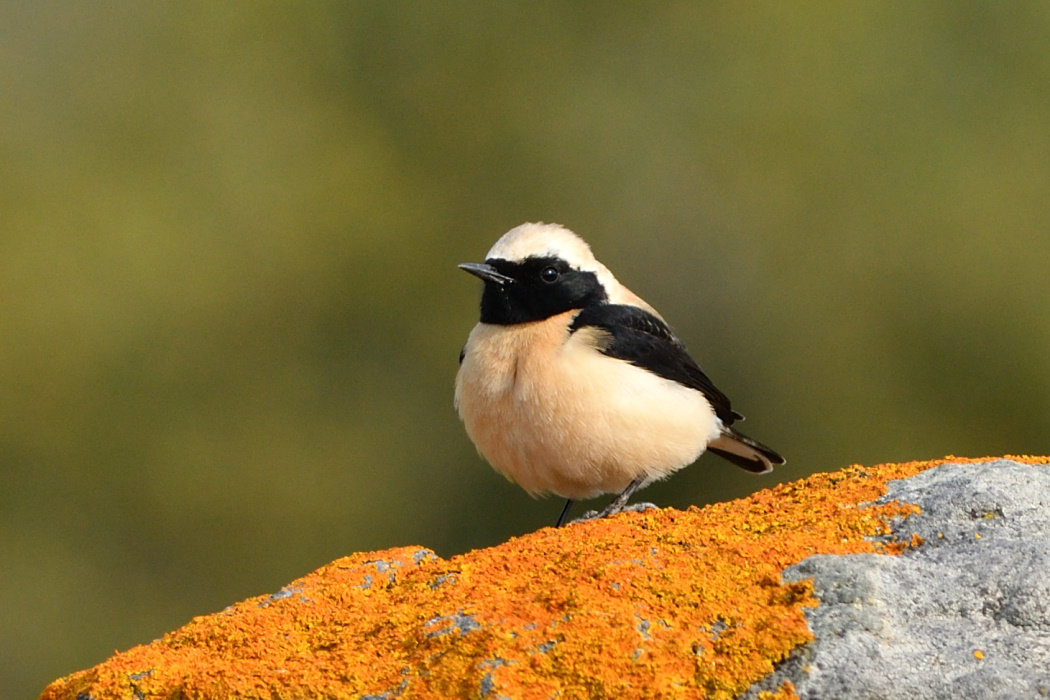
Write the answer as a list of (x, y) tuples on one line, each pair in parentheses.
[(964, 615)]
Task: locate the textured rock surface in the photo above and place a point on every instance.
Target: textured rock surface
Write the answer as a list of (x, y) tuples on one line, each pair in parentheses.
[(650, 605), (966, 614)]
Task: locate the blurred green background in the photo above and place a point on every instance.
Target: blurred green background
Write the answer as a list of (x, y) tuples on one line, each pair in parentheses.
[(230, 312)]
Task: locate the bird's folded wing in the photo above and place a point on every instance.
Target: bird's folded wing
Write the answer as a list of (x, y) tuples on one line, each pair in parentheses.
[(634, 335)]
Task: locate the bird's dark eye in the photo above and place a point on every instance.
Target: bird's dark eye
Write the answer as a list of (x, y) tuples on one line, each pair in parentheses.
[(549, 274)]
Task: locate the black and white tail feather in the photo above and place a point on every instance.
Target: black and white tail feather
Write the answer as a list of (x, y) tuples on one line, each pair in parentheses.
[(744, 452)]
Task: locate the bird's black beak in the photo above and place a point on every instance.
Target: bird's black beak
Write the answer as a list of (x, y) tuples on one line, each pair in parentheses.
[(486, 272)]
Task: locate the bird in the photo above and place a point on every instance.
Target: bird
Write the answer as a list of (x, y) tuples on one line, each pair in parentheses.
[(572, 385)]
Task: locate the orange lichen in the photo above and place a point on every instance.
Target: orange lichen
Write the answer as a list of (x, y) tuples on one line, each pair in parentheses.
[(647, 605), (784, 692)]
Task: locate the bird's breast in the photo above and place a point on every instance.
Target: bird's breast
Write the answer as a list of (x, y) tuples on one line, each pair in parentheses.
[(555, 415)]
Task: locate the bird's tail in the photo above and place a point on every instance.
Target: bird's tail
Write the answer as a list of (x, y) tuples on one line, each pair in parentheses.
[(744, 452)]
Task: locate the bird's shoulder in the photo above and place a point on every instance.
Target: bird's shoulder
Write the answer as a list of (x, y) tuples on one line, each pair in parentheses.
[(637, 336)]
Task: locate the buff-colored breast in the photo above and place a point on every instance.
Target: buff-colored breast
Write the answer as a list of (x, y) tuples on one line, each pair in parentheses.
[(554, 415)]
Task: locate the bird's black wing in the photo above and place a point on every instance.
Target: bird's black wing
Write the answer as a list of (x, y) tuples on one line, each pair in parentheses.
[(639, 337)]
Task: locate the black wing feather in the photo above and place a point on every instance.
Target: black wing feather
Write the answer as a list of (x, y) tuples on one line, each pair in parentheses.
[(639, 337)]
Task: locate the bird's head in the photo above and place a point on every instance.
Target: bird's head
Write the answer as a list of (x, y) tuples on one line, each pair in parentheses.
[(536, 271)]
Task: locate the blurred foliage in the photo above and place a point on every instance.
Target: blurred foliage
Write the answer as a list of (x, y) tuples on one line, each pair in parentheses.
[(229, 307)]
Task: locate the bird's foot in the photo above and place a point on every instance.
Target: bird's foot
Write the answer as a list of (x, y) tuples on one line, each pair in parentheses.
[(613, 509), (640, 507)]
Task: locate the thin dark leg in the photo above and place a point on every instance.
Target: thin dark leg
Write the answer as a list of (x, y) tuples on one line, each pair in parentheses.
[(564, 512)]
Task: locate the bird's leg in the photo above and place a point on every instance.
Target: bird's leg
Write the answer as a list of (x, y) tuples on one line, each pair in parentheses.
[(564, 512), (619, 503)]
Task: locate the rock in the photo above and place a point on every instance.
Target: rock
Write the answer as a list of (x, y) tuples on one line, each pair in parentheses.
[(964, 615), (653, 604)]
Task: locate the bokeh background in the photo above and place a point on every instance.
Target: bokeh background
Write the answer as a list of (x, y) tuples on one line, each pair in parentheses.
[(230, 312)]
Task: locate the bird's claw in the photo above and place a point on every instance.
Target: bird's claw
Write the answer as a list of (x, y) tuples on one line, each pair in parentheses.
[(611, 510)]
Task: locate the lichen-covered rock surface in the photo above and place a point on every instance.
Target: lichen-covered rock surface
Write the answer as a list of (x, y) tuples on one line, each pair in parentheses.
[(642, 605), (966, 615)]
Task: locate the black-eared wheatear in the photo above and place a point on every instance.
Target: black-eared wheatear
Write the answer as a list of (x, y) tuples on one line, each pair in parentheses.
[(572, 385)]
